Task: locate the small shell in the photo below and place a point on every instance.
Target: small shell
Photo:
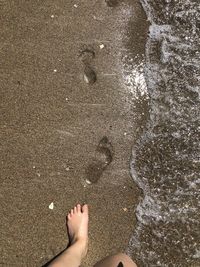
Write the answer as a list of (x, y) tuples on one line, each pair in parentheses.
[(88, 181), (51, 206)]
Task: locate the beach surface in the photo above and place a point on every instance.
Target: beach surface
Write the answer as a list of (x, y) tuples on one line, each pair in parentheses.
[(73, 103)]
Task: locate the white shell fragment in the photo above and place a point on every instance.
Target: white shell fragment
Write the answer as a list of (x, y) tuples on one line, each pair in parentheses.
[(51, 206), (101, 46), (88, 181)]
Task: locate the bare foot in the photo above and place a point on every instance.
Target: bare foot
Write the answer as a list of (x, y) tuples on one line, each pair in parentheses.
[(77, 225)]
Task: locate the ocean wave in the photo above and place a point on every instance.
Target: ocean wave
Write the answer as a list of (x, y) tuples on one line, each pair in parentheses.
[(166, 160)]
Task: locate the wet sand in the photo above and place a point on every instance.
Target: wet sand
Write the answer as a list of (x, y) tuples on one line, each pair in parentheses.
[(53, 119), (165, 161)]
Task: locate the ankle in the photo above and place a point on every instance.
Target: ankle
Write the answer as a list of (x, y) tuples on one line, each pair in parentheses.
[(79, 239), (79, 247)]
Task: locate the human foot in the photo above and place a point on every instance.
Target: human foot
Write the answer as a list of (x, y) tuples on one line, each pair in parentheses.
[(77, 225)]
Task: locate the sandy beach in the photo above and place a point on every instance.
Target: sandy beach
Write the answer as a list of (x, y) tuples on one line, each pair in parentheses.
[(73, 103)]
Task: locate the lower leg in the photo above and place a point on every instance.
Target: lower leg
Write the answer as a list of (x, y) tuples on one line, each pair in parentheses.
[(113, 261), (69, 258)]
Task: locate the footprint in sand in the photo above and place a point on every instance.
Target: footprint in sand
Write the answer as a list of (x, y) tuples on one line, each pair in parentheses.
[(103, 157), (89, 75), (87, 56), (111, 3)]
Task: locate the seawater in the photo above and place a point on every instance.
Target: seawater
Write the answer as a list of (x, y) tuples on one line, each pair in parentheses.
[(166, 159)]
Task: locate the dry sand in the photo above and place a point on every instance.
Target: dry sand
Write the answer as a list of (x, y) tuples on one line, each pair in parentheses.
[(51, 123)]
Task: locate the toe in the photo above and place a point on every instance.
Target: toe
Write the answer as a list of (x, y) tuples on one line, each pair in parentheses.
[(72, 211), (75, 210), (79, 208), (69, 216), (85, 208)]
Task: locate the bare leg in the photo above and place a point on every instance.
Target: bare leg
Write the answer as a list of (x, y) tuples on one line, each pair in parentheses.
[(77, 225), (113, 261)]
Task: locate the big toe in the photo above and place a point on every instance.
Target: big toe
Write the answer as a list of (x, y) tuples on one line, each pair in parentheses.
[(85, 209)]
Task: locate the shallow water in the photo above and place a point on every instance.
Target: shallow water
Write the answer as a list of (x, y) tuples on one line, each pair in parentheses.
[(166, 160)]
